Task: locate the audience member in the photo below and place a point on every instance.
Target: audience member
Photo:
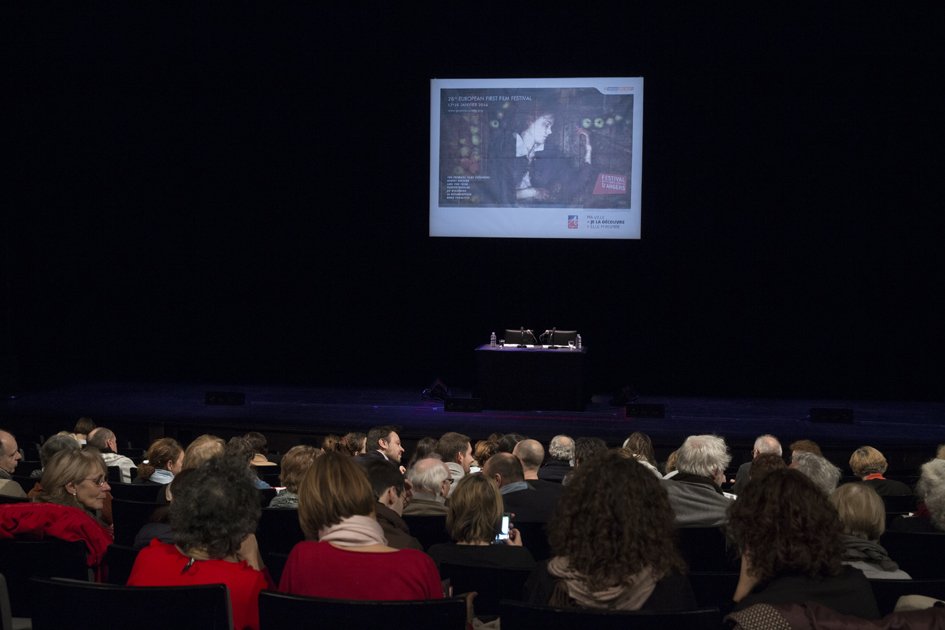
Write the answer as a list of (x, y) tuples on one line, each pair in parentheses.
[(790, 540), (695, 492), (261, 447), (83, 427), (201, 449), (330, 443), (159, 526), (9, 458), (930, 516), (351, 558), (670, 468), (474, 520), (107, 444), (611, 543), (869, 465), (529, 504), (483, 451), (213, 516), (52, 446), (805, 446), (940, 453), (164, 459), (824, 474), (387, 482), (765, 444), (641, 447), (863, 516), (352, 444), (240, 449), (765, 463), (426, 447), (431, 482), (456, 452), (531, 454), (295, 464), (508, 441), (77, 479), (382, 443), (560, 454)]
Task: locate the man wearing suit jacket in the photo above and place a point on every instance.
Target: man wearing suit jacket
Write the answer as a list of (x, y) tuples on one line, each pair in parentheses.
[(526, 502)]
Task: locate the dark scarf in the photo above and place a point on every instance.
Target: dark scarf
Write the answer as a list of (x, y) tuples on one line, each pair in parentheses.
[(859, 550)]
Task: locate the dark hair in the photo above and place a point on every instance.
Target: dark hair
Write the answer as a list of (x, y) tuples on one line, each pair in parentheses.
[(84, 426), (784, 523), (215, 508), (640, 444), (508, 466), (258, 441), (350, 444), (613, 521), (508, 441), (377, 434), (586, 448), (484, 450), (383, 474), (765, 463), (424, 448), (527, 112), (239, 448), (161, 453), (450, 444)]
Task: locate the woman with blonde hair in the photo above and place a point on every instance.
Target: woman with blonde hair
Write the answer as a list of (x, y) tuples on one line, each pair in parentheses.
[(345, 554), (165, 459), (202, 449), (863, 516), (77, 479), (474, 520), (869, 465)]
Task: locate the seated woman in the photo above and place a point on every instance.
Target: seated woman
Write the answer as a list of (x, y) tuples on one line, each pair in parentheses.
[(869, 465), (473, 520), (930, 514), (640, 446), (790, 541), (295, 464), (345, 554), (213, 516), (613, 543), (863, 515), (165, 459)]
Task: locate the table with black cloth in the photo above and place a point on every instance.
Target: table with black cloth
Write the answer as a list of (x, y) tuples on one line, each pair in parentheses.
[(541, 379)]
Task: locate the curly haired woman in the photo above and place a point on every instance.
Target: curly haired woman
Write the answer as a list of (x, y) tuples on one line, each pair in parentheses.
[(790, 540), (613, 543)]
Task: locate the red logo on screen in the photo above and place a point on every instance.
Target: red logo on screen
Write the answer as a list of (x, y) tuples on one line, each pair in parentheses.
[(610, 185), (572, 221)]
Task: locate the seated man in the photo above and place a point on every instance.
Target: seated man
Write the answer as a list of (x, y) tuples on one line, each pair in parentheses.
[(560, 454), (382, 443), (456, 451), (387, 482), (824, 474), (764, 444), (9, 458), (531, 453), (695, 492), (105, 441), (431, 481), (528, 503)]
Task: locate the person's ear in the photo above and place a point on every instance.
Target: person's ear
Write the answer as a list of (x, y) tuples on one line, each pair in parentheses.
[(70, 488), (383, 444)]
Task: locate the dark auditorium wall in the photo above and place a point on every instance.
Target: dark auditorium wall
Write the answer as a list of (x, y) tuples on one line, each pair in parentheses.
[(238, 193)]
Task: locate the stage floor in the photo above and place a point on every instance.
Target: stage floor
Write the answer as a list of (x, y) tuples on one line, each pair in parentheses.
[(318, 411)]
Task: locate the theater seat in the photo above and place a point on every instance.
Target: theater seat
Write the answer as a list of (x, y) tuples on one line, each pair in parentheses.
[(519, 616), (888, 592), (918, 554), (491, 584)]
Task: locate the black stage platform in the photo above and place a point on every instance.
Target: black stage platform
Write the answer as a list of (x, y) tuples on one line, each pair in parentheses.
[(140, 412)]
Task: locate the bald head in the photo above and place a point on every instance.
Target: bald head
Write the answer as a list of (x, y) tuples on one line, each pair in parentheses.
[(531, 453), (767, 444), (504, 468), (9, 452)]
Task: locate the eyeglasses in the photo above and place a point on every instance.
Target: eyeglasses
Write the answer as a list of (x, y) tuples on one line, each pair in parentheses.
[(449, 481), (98, 481)]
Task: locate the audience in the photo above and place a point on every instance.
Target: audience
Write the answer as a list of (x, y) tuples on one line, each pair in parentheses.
[(107, 444), (585, 449), (670, 467), (213, 516), (930, 516), (695, 492), (202, 449), (765, 444), (792, 552), (612, 545), (763, 464), (483, 451), (382, 443), (431, 483), (531, 454), (474, 520), (241, 450), (352, 444), (295, 463), (387, 482), (159, 526), (165, 459), (824, 474), (344, 542), (330, 443), (9, 458), (260, 447), (560, 454), (425, 448), (805, 446), (508, 441), (863, 516), (83, 427), (456, 452), (869, 465), (53, 445), (77, 479), (529, 504), (641, 448)]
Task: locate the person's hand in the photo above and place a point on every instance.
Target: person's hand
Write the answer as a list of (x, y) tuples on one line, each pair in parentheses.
[(249, 551), (515, 538), (540, 194)]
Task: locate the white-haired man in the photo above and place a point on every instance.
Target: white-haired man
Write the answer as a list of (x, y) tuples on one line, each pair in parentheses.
[(764, 444), (818, 469), (695, 492), (431, 481), (560, 456)]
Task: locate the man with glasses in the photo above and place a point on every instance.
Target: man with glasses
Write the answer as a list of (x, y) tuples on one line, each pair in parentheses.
[(431, 481), (9, 458)]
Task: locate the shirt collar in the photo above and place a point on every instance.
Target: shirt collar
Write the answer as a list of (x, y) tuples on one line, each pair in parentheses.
[(513, 487)]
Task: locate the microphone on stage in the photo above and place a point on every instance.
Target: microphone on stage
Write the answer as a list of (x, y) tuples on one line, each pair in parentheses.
[(522, 341)]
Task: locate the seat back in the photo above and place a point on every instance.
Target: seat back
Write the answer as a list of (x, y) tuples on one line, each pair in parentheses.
[(917, 553), (22, 558), (8, 499), (714, 589), (279, 530), (491, 584), (202, 607), (129, 517), (120, 559), (429, 530), (145, 492), (705, 549), (535, 539), (280, 610), (519, 616), (6, 617), (901, 504), (275, 562), (888, 592)]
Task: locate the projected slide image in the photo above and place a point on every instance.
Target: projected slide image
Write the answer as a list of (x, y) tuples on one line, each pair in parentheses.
[(559, 147)]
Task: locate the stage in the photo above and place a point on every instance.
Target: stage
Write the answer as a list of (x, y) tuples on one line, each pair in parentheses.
[(907, 432)]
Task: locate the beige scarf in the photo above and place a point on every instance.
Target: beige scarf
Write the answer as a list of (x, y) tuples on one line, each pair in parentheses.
[(631, 594)]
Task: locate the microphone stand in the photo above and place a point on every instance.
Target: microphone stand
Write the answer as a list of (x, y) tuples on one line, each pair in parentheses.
[(522, 340)]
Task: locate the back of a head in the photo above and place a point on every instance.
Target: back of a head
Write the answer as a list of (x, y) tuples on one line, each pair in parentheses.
[(427, 475), (931, 489), (820, 471), (866, 460), (57, 444), (201, 449), (351, 444), (703, 455), (768, 444), (508, 441), (450, 444), (805, 446), (84, 426), (258, 441), (160, 453), (862, 511), (610, 522), (295, 464), (531, 453), (484, 450), (765, 463), (640, 445), (240, 449), (99, 438), (671, 461), (561, 448), (586, 448), (784, 523), (475, 510), (506, 465), (382, 475), (333, 489), (215, 508)]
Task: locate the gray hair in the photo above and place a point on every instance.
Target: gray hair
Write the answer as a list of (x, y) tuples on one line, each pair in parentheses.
[(768, 444), (931, 489), (428, 478), (824, 474), (56, 444), (703, 455), (561, 447), (99, 437)]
